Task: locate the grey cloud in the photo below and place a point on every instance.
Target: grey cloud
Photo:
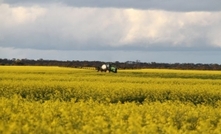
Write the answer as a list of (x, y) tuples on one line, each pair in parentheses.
[(171, 5), (112, 56), (58, 27)]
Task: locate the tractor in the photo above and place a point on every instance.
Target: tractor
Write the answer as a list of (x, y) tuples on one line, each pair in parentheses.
[(107, 68)]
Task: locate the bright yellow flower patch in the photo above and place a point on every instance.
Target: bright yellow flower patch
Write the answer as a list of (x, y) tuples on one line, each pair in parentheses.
[(66, 100)]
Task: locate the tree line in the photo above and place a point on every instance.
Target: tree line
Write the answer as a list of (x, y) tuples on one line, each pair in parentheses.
[(120, 65)]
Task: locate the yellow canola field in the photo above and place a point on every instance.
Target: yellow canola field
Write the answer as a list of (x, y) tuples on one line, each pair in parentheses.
[(66, 100)]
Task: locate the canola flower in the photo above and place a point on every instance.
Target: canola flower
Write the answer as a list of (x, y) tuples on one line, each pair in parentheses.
[(67, 100)]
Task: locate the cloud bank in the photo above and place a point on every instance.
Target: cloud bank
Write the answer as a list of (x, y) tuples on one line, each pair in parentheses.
[(70, 28), (170, 5), (127, 28)]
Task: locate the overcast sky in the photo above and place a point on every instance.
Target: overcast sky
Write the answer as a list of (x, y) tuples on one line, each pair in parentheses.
[(112, 30)]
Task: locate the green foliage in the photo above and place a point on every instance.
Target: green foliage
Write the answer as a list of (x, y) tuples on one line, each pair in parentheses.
[(65, 100)]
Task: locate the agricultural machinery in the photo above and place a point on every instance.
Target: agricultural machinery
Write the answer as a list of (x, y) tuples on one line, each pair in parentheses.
[(107, 68)]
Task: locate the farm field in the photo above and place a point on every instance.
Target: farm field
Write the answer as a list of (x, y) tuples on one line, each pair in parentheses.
[(46, 100)]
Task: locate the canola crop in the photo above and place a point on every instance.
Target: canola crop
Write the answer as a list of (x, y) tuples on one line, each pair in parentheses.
[(66, 100)]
